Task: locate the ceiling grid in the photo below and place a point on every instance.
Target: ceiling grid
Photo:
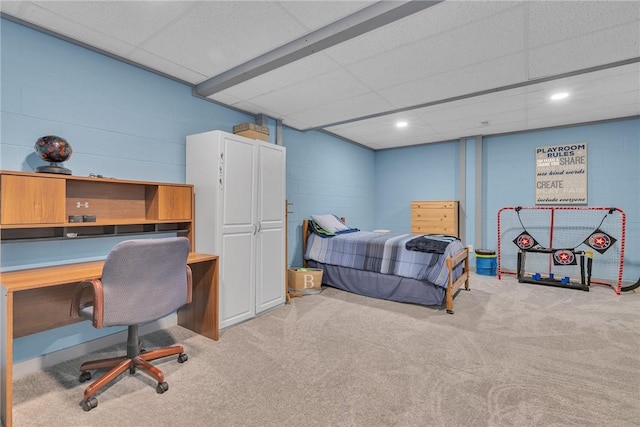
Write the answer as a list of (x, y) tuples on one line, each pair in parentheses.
[(450, 69)]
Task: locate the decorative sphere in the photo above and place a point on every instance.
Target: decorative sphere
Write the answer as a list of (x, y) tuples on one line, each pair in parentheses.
[(54, 149)]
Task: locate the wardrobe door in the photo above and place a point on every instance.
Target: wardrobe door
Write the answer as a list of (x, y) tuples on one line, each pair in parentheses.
[(237, 229), (270, 239)]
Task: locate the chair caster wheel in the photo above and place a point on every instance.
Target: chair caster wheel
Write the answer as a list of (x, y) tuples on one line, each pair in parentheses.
[(89, 404), (182, 357), (450, 311), (85, 376), (162, 387)]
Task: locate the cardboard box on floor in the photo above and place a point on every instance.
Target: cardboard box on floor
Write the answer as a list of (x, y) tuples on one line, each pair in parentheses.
[(305, 280)]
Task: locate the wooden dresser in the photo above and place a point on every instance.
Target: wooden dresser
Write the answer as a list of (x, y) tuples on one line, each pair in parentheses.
[(434, 217)]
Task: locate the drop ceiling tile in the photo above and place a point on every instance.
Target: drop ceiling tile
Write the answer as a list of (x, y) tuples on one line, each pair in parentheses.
[(587, 78), (471, 124), (69, 28), (225, 98), (573, 118), (252, 108), (412, 134), (342, 109), (590, 50), (446, 17), (553, 21), (380, 124), (298, 71), (603, 82), (154, 62), (14, 8), (408, 140), (381, 132), (316, 14), (584, 113), (130, 21), (218, 35), (429, 57), (572, 107), (483, 40), (296, 124), (320, 90), (481, 108), (604, 89), (374, 146), (356, 129), (488, 75)]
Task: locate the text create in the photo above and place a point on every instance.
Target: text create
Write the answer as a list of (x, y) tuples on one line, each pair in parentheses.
[(550, 184)]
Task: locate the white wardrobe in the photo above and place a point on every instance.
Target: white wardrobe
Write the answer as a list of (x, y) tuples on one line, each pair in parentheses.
[(240, 216)]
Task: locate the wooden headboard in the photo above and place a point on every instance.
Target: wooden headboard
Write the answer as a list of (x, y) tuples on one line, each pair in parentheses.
[(305, 236)]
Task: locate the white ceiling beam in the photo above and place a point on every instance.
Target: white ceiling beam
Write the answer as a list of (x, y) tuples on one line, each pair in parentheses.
[(370, 18)]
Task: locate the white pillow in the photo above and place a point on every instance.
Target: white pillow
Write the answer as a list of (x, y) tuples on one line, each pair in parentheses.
[(329, 223)]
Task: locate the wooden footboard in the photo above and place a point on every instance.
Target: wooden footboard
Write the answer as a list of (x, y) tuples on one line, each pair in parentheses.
[(452, 287)]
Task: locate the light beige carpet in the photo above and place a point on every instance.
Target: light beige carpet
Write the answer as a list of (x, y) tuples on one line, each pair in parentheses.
[(511, 355)]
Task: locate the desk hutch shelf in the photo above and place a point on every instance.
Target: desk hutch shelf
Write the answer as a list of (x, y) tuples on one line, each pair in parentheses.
[(39, 206)]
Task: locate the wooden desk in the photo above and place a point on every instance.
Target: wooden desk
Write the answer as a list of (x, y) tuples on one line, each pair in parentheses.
[(39, 299)]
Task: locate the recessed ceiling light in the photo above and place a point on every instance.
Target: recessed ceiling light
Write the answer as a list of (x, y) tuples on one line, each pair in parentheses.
[(559, 95), (402, 124)]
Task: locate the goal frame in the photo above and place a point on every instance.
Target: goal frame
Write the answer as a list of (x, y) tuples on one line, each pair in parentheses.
[(617, 286)]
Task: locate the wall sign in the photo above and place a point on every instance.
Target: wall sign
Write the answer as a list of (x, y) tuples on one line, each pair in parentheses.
[(561, 174)]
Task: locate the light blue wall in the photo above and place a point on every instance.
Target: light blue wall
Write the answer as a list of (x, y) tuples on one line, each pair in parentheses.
[(129, 123), (432, 172), (327, 175), (121, 121), (613, 156), (423, 172)]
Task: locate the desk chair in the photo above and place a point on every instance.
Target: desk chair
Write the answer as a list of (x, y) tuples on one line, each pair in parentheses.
[(142, 280)]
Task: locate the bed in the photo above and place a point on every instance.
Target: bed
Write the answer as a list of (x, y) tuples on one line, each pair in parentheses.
[(380, 265)]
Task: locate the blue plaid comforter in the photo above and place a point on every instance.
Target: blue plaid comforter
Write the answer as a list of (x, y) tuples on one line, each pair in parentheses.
[(383, 253)]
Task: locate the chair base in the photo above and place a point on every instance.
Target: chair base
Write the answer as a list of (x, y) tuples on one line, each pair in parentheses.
[(118, 365)]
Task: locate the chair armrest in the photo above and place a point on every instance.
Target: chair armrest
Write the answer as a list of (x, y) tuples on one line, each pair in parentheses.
[(189, 285), (98, 301)]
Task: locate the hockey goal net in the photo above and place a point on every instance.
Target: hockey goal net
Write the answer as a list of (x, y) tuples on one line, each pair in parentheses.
[(598, 231)]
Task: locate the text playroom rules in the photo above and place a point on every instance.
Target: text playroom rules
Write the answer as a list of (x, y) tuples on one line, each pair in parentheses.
[(561, 174)]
